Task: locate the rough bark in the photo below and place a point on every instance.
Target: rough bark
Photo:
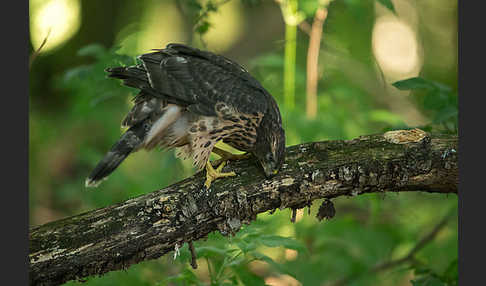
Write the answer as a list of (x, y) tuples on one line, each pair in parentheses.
[(149, 226)]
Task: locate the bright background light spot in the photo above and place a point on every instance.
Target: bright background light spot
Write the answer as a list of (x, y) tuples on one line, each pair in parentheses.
[(61, 17), (395, 47), (226, 27), (162, 25)]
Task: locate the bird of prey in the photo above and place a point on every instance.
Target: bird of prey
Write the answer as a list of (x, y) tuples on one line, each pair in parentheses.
[(191, 99)]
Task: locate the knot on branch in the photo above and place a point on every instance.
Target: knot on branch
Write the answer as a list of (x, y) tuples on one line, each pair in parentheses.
[(326, 210)]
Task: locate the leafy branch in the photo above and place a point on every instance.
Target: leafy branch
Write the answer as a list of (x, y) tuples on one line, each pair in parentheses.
[(439, 100), (409, 257), (201, 23)]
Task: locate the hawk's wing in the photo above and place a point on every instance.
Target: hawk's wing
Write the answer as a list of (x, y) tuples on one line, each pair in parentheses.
[(200, 80)]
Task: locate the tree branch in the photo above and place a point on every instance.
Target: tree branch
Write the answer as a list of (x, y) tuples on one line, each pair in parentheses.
[(305, 27), (151, 225), (37, 52)]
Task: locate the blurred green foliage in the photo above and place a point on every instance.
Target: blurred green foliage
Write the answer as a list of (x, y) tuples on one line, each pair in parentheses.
[(439, 101), (75, 114), (388, 4)]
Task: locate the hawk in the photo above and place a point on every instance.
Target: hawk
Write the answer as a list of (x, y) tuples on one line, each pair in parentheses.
[(191, 99)]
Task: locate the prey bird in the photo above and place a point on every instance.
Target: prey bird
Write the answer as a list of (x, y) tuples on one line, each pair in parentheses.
[(192, 99)]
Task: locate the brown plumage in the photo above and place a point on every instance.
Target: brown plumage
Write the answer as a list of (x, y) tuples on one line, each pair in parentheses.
[(191, 99)]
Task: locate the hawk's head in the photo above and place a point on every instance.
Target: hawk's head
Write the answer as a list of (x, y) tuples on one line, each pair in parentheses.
[(270, 143)]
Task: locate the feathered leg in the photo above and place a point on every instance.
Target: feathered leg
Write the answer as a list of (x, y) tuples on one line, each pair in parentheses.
[(227, 156)]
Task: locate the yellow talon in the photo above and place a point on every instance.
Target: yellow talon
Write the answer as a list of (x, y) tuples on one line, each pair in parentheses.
[(212, 174)]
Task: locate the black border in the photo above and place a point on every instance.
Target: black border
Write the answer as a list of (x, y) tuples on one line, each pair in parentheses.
[(15, 148), (471, 143)]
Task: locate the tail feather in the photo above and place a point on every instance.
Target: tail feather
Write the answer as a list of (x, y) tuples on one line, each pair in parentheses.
[(138, 77), (129, 142), (133, 76)]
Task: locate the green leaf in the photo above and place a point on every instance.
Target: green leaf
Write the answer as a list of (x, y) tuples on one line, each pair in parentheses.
[(434, 100), (187, 277), (248, 278), (447, 113), (203, 27), (388, 4), (95, 50), (428, 281), (413, 83), (420, 83), (194, 4), (421, 270), (246, 246), (77, 73), (451, 274), (424, 276), (211, 7), (287, 242), (279, 267), (236, 261), (210, 251)]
